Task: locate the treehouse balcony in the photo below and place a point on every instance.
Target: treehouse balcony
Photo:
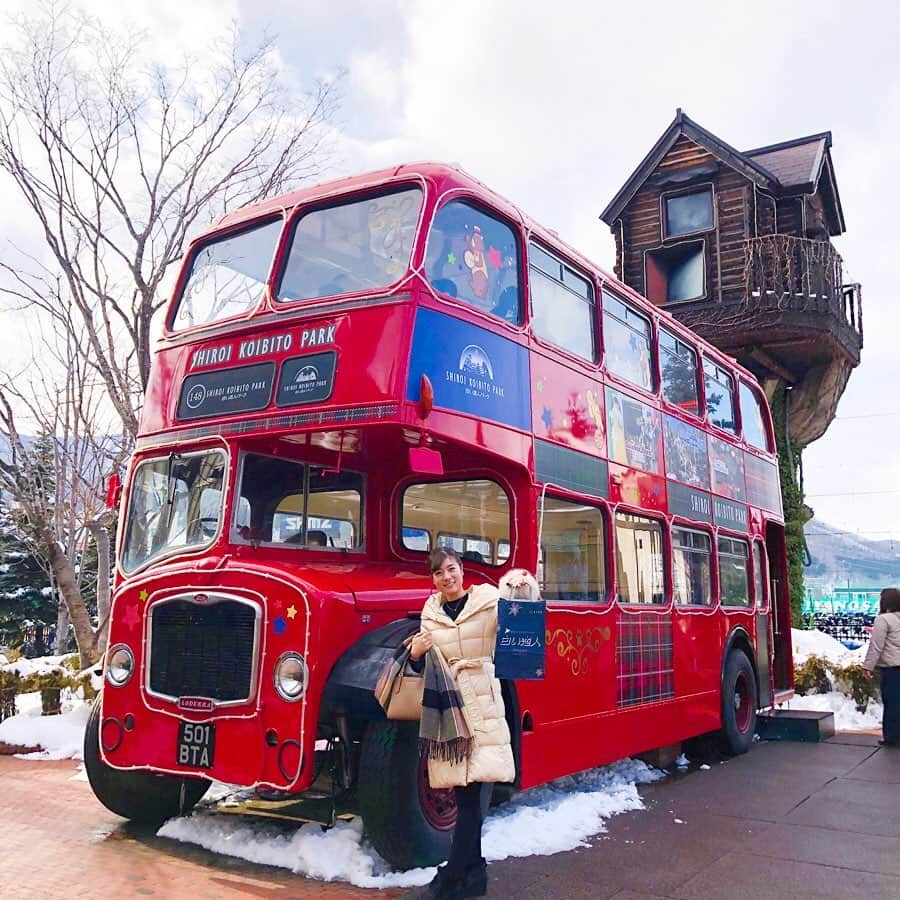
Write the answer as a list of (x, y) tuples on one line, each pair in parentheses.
[(801, 283), (789, 317)]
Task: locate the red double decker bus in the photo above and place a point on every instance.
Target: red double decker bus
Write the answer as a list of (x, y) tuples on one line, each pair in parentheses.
[(356, 373)]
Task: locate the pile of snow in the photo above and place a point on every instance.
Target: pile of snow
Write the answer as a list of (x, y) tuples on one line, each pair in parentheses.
[(817, 643), (846, 716), (42, 665), (559, 816), (59, 737)]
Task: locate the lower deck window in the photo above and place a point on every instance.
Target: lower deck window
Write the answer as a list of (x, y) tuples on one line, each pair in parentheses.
[(640, 563), (287, 502), (691, 556), (471, 517), (573, 553), (734, 576)]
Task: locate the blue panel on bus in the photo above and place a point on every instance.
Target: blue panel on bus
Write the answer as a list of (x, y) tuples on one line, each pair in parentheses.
[(472, 370)]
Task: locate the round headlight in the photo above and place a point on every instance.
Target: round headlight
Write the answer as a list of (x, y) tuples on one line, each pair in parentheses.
[(119, 665), (291, 675)]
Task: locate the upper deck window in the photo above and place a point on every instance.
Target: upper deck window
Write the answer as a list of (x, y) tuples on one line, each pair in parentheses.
[(752, 418), (357, 245), (678, 366), (474, 257), (687, 213), (562, 304), (719, 397), (227, 276), (626, 335)]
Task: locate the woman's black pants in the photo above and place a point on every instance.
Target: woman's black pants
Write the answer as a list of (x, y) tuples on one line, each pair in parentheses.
[(890, 696), (465, 850)]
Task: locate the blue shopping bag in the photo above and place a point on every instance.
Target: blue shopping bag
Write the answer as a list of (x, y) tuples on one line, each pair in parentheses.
[(521, 636)]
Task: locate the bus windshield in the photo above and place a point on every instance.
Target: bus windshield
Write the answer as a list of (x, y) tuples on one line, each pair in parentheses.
[(362, 245), (176, 504)]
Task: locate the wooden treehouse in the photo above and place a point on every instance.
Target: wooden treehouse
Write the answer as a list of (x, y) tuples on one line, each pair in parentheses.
[(738, 246)]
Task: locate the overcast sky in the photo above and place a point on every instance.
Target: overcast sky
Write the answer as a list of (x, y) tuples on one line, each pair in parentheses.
[(553, 105)]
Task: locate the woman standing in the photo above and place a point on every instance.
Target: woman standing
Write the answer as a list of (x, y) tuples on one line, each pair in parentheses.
[(462, 623), (884, 654)]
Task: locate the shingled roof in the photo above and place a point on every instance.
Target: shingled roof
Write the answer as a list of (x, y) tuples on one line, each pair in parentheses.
[(791, 167)]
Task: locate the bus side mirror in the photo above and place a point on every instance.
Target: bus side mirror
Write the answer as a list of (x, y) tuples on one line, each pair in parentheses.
[(113, 491), (424, 461)]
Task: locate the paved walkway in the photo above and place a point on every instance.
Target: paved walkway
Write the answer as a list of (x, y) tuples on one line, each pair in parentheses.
[(785, 821)]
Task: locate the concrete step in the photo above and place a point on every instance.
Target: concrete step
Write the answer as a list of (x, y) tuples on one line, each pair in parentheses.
[(795, 725)]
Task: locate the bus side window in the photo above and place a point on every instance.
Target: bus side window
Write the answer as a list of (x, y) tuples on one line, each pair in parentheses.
[(573, 553), (474, 257), (734, 572), (562, 304), (640, 564)]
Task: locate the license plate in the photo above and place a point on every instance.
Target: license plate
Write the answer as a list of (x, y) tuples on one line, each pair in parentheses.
[(196, 743)]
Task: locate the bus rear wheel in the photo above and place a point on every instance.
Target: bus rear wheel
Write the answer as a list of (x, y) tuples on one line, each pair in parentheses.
[(407, 821), (739, 704), (143, 797)]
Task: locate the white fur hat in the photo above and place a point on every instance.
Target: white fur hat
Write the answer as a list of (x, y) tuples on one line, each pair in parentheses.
[(519, 584)]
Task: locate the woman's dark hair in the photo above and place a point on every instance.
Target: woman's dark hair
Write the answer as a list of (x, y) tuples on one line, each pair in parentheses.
[(438, 555), (890, 600)]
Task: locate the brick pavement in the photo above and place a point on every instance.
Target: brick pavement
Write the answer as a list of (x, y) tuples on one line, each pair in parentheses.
[(57, 841), (785, 821)]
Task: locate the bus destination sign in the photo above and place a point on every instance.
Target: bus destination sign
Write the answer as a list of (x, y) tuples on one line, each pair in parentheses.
[(306, 379), (224, 392)]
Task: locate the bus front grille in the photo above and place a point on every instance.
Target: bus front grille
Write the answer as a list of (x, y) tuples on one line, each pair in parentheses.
[(205, 649)]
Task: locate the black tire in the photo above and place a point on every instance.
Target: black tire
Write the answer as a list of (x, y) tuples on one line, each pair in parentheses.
[(392, 782), (143, 797), (739, 704)]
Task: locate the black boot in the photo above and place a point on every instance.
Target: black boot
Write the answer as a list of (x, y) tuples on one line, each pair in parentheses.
[(436, 889), (474, 884)]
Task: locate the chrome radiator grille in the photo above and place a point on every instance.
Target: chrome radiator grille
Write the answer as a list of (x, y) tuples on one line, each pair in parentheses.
[(203, 649)]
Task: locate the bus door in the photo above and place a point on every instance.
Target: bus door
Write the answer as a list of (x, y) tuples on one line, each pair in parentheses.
[(780, 615)]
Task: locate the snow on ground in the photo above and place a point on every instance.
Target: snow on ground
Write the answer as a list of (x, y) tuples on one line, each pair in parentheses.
[(846, 716), (559, 816), (60, 737), (817, 643)]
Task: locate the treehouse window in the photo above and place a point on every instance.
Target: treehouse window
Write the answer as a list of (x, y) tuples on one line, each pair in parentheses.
[(688, 213), (675, 274)]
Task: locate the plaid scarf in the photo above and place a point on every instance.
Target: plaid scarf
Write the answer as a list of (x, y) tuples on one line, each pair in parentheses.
[(443, 732)]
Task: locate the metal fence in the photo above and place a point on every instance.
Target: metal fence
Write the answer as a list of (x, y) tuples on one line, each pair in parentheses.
[(848, 628)]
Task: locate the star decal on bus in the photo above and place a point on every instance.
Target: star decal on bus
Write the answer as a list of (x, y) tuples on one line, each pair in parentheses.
[(279, 625), (291, 612), (143, 595)]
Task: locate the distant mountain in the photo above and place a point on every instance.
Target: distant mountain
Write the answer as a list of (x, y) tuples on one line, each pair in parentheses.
[(839, 557)]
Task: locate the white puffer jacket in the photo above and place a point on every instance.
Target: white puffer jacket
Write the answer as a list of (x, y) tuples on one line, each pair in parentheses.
[(468, 647)]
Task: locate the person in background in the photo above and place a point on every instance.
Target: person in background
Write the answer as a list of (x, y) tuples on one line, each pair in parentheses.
[(461, 622), (884, 654)]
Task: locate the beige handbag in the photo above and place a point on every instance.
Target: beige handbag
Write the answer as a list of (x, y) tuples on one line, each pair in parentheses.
[(405, 703)]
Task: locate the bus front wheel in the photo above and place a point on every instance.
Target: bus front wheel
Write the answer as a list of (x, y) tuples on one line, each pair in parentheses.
[(143, 797), (408, 822), (739, 704)]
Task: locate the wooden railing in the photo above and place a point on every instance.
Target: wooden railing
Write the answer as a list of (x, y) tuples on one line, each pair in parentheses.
[(788, 272)]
